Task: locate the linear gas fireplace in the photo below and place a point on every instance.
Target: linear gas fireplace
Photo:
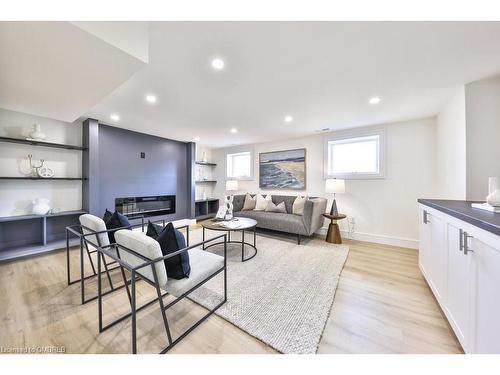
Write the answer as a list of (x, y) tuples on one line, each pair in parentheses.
[(134, 207)]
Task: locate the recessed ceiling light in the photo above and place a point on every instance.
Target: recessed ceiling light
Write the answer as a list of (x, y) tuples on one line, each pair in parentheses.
[(218, 63), (288, 118), (234, 130), (196, 139), (114, 117), (374, 100), (151, 98)]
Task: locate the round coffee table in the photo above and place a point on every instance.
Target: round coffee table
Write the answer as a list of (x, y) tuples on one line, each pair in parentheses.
[(245, 224)]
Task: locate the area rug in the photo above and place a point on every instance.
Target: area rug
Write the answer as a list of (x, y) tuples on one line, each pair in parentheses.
[(284, 295)]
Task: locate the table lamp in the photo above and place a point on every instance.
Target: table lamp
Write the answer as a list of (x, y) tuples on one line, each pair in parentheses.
[(334, 186), (231, 185)]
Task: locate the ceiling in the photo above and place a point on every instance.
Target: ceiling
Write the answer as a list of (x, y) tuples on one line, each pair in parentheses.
[(57, 69), (321, 73)]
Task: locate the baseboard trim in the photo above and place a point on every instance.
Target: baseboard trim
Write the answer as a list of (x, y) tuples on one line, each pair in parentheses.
[(377, 238)]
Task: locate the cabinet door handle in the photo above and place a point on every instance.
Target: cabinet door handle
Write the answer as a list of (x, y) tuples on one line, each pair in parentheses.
[(426, 218), (461, 236), (466, 244)]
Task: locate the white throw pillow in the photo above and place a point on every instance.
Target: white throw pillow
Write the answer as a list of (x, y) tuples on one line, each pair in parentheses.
[(298, 205), (261, 202), (249, 203)]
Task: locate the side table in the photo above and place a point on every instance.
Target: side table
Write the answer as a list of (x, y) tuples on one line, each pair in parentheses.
[(333, 235)]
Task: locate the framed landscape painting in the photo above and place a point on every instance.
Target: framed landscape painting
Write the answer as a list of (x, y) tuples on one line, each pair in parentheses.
[(283, 169)]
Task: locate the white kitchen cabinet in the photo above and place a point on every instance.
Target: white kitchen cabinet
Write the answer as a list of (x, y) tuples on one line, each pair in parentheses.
[(433, 252), (424, 258), (459, 274), (486, 296), (461, 263), (438, 255)]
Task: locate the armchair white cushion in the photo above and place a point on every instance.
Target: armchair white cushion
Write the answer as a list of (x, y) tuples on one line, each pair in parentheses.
[(203, 264), (95, 224)]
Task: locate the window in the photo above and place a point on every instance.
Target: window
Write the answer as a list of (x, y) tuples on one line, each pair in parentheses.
[(239, 166), (352, 156)]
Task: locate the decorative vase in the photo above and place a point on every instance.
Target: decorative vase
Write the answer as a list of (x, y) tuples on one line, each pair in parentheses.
[(493, 184), (37, 132), (494, 198), (41, 206), (204, 158)]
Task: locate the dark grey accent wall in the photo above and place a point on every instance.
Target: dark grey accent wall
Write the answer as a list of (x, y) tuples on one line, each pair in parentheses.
[(90, 166), (121, 172), (191, 187)]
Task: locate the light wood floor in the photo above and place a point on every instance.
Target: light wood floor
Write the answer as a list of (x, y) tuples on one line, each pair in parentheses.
[(382, 305)]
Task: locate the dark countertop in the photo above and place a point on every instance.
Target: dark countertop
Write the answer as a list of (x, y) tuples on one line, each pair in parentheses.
[(462, 210)]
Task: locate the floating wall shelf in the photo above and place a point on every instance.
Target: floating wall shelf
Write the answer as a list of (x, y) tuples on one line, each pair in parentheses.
[(38, 233), (44, 179), (205, 181), (42, 144), (205, 163)]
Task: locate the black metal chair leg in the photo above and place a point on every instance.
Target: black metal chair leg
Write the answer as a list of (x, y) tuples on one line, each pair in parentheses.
[(99, 292), (242, 245), (134, 312), (162, 307), (90, 258), (82, 272), (67, 258), (225, 269), (107, 272)]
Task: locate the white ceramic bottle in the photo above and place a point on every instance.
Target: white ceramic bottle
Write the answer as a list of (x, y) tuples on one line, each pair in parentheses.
[(37, 132), (493, 197)]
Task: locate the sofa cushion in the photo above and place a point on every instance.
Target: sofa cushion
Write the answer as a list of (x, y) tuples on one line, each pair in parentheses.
[(171, 240), (261, 202), (276, 221), (94, 224), (117, 220), (249, 202), (147, 247), (203, 264), (280, 207), (238, 201), (298, 205), (288, 199)]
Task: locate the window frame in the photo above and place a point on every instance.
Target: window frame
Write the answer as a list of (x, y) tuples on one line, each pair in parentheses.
[(233, 152), (357, 133)]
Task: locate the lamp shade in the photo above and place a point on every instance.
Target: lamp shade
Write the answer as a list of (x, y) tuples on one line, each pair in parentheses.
[(231, 185), (335, 186)]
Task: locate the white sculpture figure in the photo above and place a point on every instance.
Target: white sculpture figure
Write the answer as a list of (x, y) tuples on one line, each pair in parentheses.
[(41, 206), (228, 201), (231, 185), (45, 172), (35, 168)]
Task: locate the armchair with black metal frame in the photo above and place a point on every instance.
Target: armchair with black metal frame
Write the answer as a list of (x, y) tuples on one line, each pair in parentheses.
[(138, 272), (84, 232)]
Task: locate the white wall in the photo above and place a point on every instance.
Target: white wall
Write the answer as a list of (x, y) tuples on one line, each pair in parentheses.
[(16, 195), (482, 100), (385, 209), (451, 148)]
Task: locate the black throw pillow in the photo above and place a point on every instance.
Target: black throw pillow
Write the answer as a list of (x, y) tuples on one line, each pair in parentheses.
[(117, 220), (107, 216), (171, 240)]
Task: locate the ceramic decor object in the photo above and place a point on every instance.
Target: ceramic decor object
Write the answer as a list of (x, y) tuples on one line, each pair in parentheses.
[(41, 206), (37, 133), (494, 198)]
